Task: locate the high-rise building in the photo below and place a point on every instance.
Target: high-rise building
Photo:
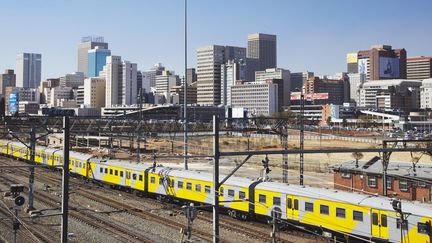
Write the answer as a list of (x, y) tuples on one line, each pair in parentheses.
[(356, 81), (7, 79), (28, 70), (151, 74), (337, 89), (261, 53), (177, 94), (164, 83), (231, 71), (209, 61), (382, 62), (121, 82), (94, 92), (191, 76), (72, 80), (55, 94), (88, 43), (352, 65), (426, 94), (298, 79), (96, 60), (419, 68), (277, 73)]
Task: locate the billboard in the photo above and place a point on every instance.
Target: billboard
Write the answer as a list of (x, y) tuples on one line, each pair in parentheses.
[(314, 96), (362, 66), (352, 57), (12, 103), (389, 67)]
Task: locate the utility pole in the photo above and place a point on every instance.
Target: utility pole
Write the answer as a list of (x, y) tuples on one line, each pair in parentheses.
[(301, 137), (65, 179), (216, 179), (32, 169), (185, 84), (275, 227)]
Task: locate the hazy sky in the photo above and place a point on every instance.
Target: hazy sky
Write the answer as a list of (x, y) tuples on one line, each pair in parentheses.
[(312, 35)]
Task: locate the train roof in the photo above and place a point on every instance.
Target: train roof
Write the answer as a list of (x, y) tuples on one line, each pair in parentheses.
[(128, 164), (373, 201)]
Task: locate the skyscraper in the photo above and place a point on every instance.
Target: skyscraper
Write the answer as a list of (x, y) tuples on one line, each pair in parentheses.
[(96, 60), (209, 61), (8, 79), (261, 53), (231, 71), (277, 73), (28, 70), (88, 43), (298, 79), (121, 82)]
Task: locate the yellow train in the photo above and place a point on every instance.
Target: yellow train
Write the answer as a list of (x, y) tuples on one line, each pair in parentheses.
[(346, 215)]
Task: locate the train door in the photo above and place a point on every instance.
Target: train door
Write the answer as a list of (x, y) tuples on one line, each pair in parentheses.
[(292, 203), (379, 224)]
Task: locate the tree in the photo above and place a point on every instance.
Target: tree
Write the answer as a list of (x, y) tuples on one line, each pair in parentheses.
[(357, 156)]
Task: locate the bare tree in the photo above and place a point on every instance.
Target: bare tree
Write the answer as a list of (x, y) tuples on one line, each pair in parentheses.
[(357, 156)]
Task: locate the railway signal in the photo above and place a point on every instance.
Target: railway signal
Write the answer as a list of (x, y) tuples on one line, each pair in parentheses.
[(266, 170), (14, 195)]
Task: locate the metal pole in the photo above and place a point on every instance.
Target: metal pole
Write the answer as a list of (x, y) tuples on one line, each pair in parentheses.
[(185, 84), (384, 164), (274, 229), (15, 223), (216, 179), (32, 169), (301, 137), (65, 187)]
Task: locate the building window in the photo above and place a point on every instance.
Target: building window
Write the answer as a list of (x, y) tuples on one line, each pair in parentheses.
[(189, 186), (324, 209), (276, 201), (340, 212), (423, 228), (231, 193), (242, 195), (180, 184), (262, 198), (346, 175), (309, 207), (198, 187), (403, 185), (389, 183), (372, 181), (207, 189), (358, 216)]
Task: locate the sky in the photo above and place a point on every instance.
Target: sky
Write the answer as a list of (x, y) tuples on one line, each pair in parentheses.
[(312, 35)]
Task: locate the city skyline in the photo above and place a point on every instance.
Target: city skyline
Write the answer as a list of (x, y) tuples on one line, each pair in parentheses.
[(317, 41)]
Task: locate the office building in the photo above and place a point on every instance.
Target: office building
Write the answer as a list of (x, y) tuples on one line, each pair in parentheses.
[(352, 63), (96, 60), (94, 92), (15, 95), (261, 53), (164, 82), (391, 94), (191, 76), (7, 79), (151, 74), (209, 61), (88, 43), (231, 71), (259, 98), (382, 62), (298, 79), (277, 73), (426, 94), (72, 80), (53, 95), (337, 89), (121, 82), (419, 68), (356, 81), (79, 95), (177, 94), (28, 70)]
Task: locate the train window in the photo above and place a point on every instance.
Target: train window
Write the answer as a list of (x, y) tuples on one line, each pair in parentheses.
[(134, 176), (372, 181), (242, 195), (423, 228), (111, 171), (340, 212), (106, 170), (188, 186), (296, 204), (128, 175), (140, 178), (180, 184), (383, 220), (101, 170), (207, 189), (152, 180), (231, 193), (276, 201), (221, 191), (324, 209), (72, 162), (357, 216), (309, 207), (161, 180), (404, 224), (80, 164), (262, 198), (198, 187), (374, 218), (116, 172), (289, 203), (121, 174), (403, 185), (171, 182)]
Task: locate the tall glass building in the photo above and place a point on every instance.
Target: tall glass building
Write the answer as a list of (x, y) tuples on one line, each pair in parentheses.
[(96, 61)]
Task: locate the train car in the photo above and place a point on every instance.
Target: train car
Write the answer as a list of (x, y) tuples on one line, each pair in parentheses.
[(342, 213)]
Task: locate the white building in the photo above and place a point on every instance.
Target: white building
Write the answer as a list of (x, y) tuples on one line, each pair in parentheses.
[(94, 92), (53, 95), (231, 71), (79, 95), (28, 70), (259, 98), (121, 82), (164, 82), (277, 73), (356, 81), (72, 80), (426, 94)]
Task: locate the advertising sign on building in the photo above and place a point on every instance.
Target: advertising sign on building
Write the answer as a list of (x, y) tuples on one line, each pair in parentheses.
[(352, 57), (362, 66), (389, 67), (13, 103), (334, 111), (314, 96)]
